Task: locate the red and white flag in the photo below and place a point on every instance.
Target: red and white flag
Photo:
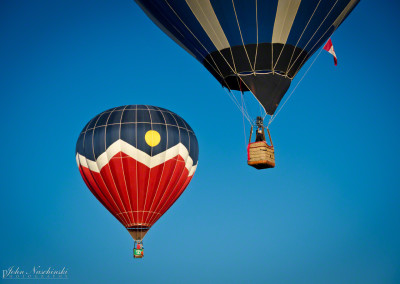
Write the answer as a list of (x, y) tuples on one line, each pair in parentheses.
[(329, 47)]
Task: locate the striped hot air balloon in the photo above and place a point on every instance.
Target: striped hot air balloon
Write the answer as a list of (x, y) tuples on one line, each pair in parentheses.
[(137, 160), (256, 45)]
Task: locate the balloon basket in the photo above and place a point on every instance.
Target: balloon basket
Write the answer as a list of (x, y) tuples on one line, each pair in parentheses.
[(260, 155), (137, 253)]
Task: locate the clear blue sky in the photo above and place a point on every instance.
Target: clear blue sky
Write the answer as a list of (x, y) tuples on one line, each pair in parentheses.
[(328, 213)]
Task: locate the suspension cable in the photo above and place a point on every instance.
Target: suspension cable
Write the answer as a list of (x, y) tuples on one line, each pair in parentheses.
[(235, 101), (274, 116), (244, 126)]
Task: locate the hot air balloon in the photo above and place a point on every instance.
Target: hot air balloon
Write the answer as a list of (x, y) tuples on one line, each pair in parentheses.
[(137, 160), (250, 45)]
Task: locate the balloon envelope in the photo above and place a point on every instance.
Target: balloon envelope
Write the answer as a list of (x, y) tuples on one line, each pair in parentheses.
[(256, 45), (137, 160)]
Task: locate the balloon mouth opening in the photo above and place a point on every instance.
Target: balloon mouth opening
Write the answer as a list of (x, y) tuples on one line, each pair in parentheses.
[(138, 232), (258, 72), (138, 228), (237, 81)]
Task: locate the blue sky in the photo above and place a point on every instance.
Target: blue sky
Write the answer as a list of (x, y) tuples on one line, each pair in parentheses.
[(328, 213)]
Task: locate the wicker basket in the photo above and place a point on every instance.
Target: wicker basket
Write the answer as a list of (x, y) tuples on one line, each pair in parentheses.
[(260, 155)]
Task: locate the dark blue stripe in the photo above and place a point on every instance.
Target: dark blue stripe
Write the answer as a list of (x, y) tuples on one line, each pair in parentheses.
[(266, 19), (304, 14), (163, 13)]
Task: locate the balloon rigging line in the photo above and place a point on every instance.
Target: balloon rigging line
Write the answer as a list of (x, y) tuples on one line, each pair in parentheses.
[(162, 172), (122, 165), (208, 52), (312, 52), (136, 162), (336, 27), (230, 48), (261, 112), (168, 198), (175, 185), (220, 73), (91, 174), (148, 180), (242, 94), (313, 37), (241, 36), (272, 57), (291, 66), (216, 65), (215, 33), (274, 116), (112, 197), (219, 51), (302, 35), (245, 106), (233, 98), (280, 35), (255, 57), (244, 126), (243, 110), (109, 158), (173, 191)]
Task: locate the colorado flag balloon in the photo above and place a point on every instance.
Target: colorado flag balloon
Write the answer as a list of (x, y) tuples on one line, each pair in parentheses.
[(137, 160)]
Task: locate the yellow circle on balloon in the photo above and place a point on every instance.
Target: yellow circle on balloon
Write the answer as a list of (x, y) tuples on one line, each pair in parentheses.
[(152, 138)]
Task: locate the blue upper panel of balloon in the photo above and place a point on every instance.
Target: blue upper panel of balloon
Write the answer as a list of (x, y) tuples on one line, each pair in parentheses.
[(131, 123), (306, 24)]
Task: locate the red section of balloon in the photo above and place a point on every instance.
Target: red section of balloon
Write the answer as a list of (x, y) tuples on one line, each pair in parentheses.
[(134, 193)]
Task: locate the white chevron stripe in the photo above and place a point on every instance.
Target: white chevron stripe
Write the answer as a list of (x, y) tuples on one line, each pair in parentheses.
[(285, 15), (91, 165), (138, 155), (205, 14)]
